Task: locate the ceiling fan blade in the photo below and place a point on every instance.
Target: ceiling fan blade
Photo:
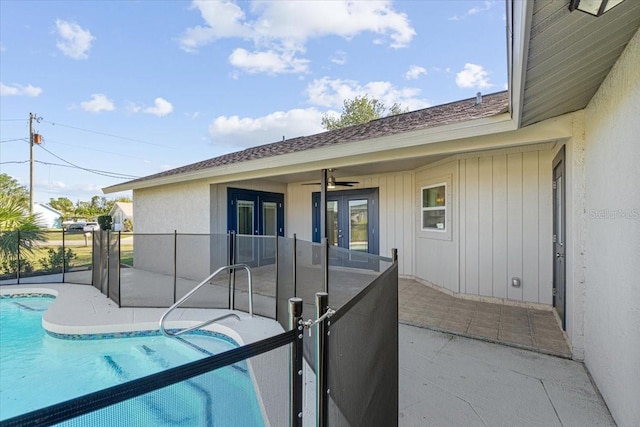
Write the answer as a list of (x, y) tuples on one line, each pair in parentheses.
[(347, 183), (311, 183)]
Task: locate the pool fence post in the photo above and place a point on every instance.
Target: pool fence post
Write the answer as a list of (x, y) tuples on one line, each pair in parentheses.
[(64, 259), (295, 363), (175, 266), (18, 251), (230, 245), (394, 255), (276, 254), (234, 251), (325, 260), (294, 264), (322, 391)]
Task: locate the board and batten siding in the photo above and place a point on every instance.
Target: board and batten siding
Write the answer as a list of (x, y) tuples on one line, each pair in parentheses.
[(395, 209), (501, 227)]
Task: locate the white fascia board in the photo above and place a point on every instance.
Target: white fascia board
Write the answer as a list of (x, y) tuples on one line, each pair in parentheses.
[(330, 156), (519, 13)]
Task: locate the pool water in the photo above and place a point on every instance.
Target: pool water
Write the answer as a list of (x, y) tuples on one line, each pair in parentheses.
[(38, 370)]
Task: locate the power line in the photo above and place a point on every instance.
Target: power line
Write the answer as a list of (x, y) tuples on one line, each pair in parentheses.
[(98, 172), (13, 120), (111, 135), (16, 139)]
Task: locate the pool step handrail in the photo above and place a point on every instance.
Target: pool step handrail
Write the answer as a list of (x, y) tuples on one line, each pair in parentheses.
[(233, 267)]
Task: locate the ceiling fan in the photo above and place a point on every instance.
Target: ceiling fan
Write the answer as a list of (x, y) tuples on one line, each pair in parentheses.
[(332, 183)]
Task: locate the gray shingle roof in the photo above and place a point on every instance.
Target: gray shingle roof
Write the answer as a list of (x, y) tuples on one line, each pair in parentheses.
[(454, 112)]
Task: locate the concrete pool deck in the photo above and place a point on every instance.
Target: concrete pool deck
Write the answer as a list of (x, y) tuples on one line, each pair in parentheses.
[(445, 380)]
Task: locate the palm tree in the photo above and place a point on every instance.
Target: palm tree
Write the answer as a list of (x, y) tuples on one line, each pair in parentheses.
[(19, 230)]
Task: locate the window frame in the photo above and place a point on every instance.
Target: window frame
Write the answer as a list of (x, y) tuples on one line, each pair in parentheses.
[(443, 208)]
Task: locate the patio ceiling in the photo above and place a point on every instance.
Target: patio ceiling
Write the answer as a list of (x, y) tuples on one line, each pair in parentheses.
[(570, 54)]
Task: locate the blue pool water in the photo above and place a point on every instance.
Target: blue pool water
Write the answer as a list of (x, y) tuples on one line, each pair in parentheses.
[(38, 370)]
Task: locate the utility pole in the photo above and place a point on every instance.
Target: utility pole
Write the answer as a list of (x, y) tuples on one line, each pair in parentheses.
[(33, 138)]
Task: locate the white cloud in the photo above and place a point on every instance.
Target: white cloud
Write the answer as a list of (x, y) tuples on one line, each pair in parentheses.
[(269, 62), (473, 75), (486, 5), (280, 29), (74, 41), (414, 72), (98, 103), (332, 93), (340, 57), (19, 90), (161, 108), (234, 132)]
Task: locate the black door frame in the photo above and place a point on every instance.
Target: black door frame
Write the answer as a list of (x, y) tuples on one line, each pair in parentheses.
[(559, 236), (258, 198), (371, 194)]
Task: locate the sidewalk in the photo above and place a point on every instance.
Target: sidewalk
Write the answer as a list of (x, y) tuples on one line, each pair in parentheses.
[(448, 380), (527, 328)]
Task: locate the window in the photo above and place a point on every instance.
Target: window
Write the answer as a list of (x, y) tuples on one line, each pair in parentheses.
[(434, 207)]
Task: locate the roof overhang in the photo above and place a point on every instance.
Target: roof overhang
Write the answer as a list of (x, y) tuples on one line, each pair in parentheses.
[(390, 147)]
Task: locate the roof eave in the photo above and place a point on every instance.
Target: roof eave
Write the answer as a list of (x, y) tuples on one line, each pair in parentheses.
[(327, 156), (519, 15)]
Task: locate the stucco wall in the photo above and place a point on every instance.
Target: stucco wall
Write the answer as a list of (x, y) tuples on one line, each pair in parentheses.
[(612, 168), (180, 207)]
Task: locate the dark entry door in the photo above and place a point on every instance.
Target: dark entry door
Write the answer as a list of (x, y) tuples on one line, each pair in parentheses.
[(255, 213), (559, 264), (352, 222)]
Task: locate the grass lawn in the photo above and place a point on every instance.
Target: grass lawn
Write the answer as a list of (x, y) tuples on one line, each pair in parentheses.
[(56, 235), (82, 255)]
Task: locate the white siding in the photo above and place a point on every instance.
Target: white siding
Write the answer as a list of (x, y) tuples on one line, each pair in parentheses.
[(502, 227), (437, 257)]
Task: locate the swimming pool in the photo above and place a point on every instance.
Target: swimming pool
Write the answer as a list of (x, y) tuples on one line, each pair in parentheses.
[(38, 370)]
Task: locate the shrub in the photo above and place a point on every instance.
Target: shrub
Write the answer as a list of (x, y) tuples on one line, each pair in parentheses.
[(10, 266), (128, 225), (105, 222), (56, 259)]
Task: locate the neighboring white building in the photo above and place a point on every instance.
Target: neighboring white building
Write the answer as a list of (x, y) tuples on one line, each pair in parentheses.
[(48, 217), (530, 196), (120, 212)]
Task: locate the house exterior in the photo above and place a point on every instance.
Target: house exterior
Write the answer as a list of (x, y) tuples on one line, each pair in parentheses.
[(48, 217), (530, 196), (120, 212)]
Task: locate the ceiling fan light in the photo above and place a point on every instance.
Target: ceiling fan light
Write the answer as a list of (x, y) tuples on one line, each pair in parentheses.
[(593, 7), (331, 183)]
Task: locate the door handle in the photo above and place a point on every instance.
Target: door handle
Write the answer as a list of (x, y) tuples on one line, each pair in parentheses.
[(559, 255)]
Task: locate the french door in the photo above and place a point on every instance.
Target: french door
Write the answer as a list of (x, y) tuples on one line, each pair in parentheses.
[(352, 223), (255, 213)]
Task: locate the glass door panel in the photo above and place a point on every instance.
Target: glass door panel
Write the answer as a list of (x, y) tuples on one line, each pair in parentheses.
[(269, 228), (358, 225), (333, 229), (245, 224)]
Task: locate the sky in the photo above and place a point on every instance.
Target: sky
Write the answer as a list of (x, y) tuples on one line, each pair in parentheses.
[(124, 89)]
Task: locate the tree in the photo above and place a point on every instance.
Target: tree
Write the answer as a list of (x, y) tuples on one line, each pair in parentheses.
[(64, 205), (358, 110), (99, 205), (15, 191), (19, 230)]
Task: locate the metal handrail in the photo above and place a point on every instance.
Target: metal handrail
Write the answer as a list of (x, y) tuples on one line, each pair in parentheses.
[(167, 333)]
